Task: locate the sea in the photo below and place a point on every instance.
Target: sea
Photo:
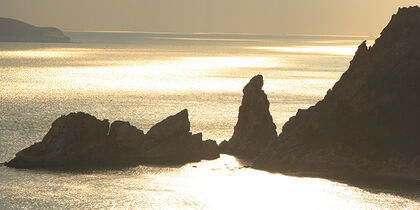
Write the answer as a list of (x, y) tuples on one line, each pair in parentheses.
[(145, 77)]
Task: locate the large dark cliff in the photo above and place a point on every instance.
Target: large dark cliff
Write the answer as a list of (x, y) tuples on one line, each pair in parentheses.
[(370, 120), (17, 31)]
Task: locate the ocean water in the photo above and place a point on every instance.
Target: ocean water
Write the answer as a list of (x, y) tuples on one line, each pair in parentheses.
[(145, 77)]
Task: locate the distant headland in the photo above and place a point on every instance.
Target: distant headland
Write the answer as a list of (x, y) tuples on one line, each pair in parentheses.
[(12, 30)]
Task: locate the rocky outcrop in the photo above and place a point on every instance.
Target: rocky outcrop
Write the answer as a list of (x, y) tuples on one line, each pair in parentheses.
[(172, 126), (81, 140), (125, 136), (369, 121), (77, 138), (255, 127), (17, 31), (171, 141)]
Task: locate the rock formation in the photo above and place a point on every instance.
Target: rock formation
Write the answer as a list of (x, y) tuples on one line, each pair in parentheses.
[(17, 31), (171, 141), (370, 120), (81, 140), (125, 136), (255, 127), (73, 139)]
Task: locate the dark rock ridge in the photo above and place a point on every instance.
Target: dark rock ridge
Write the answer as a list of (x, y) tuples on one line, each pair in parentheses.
[(81, 140), (255, 127), (17, 31), (370, 120)]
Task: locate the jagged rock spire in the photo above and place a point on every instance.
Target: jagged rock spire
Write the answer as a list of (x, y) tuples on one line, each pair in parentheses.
[(255, 127)]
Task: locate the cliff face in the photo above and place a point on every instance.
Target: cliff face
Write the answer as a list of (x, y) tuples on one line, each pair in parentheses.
[(80, 140), (255, 127), (370, 119), (17, 31)]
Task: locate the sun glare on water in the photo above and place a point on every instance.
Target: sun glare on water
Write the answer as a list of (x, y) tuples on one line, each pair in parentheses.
[(334, 50), (183, 73), (104, 70), (43, 53)]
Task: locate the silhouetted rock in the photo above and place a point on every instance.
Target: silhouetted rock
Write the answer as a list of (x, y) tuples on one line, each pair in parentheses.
[(210, 150), (17, 31), (81, 140), (255, 127), (224, 147), (369, 121), (125, 136), (75, 139), (171, 141), (172, 126)]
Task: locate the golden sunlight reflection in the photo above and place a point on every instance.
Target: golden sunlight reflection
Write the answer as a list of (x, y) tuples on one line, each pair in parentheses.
[(335, 50), (43, 53), (160, 78), (229, 62), (178, 74), (226, 183)]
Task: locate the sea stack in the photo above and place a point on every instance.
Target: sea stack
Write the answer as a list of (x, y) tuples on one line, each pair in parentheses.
[(255, 127), (79, 140), (12, 30), (369, 121)]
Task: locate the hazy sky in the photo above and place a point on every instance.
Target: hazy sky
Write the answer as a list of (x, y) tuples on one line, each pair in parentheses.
[(365, 17)]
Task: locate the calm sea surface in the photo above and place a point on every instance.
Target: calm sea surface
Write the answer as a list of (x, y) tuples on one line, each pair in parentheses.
[(145, 77)]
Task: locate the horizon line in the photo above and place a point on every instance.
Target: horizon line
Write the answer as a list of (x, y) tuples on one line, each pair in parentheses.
[(223, 33)]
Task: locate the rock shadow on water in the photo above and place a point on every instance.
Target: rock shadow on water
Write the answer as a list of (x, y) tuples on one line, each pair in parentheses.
[(398, 186), (243, 162)]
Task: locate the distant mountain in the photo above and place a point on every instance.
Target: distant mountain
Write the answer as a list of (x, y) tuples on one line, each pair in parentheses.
[(12, 30)]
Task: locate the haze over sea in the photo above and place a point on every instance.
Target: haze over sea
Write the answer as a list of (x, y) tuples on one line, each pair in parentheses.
[(145, 77)]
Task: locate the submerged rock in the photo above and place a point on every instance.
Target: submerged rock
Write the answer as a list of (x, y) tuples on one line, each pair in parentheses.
[(369, 121), (12, 30), (255, 127), (81, 140)]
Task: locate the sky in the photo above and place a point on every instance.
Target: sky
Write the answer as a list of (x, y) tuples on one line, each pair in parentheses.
[(351, 17)]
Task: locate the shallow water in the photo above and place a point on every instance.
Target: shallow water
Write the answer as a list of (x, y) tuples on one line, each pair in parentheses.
[(143, 78)]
